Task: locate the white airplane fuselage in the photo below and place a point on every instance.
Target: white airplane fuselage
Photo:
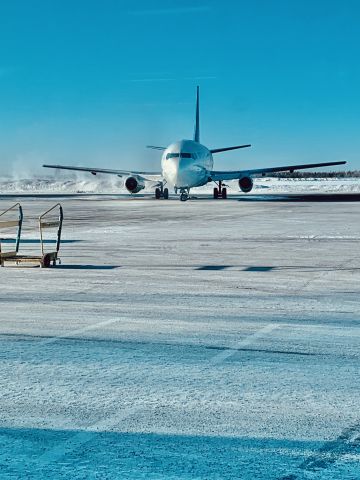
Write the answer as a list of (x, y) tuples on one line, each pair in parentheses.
[(186, 164)]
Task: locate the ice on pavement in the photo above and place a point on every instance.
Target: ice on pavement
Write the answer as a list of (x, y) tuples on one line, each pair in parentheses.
[(198, 340)]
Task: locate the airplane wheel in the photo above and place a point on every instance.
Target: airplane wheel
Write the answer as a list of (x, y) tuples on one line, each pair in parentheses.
[(45, 262), (183, 197), (216, 193), (157, 193), (166, 193), (224, 193)]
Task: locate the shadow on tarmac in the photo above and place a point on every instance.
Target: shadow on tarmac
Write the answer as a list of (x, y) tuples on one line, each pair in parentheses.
[(87, 267), (65, 452), (268, 268), (36, 241), (308, 197), (251, 197)]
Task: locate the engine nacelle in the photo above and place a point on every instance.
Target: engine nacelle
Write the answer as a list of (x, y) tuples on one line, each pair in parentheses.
[(134, 185), (246, 184)]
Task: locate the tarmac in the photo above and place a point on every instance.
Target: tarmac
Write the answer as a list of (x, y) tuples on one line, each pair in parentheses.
[(198, 340)]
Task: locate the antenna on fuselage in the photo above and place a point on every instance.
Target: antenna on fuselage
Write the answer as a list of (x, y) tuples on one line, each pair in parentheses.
[(197, 119)]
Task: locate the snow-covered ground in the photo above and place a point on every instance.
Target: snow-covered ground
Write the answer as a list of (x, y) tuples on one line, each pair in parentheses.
[(198, 340), (86, 183)]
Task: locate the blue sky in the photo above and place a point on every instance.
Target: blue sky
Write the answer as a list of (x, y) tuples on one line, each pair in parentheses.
[(92, 82)]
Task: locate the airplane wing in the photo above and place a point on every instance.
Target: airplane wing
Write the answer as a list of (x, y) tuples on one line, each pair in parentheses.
[(119, 173), (226, 149), (235, 174)]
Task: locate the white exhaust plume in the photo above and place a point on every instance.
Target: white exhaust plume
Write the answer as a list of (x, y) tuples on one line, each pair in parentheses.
[(62, 183)]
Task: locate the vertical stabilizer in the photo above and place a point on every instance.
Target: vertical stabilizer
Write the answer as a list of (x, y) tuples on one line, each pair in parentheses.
[(197, 120)]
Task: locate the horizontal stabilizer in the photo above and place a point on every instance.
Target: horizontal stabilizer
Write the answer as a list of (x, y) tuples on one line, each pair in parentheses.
[(154, 147), (218, 150)]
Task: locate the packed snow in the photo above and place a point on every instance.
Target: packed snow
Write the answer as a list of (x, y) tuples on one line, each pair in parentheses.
[(198, 340), (111, 184)]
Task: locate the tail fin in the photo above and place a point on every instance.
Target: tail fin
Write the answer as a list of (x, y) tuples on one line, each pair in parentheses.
[(197, 120)]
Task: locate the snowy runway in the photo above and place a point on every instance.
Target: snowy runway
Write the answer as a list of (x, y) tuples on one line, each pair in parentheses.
[(207, 340)]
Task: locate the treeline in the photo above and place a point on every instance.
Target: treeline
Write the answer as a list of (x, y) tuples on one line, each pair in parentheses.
[(303, 174)]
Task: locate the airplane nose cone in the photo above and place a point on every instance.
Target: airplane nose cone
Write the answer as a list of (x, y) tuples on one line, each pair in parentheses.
[(185, 173), (172, 169), (182, 172)]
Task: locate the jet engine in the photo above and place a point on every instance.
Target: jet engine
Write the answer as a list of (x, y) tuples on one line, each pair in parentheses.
[(134, 184), (246, 184)]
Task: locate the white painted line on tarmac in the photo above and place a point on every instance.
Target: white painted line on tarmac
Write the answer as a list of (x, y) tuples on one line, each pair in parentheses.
[(75, 441), (249, 340), (79, 331)]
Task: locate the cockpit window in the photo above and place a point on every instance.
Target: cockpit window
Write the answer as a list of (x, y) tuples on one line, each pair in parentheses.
[(177, 155)]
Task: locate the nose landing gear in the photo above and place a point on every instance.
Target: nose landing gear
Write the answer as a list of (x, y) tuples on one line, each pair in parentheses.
[(184, 196), (184, 193)]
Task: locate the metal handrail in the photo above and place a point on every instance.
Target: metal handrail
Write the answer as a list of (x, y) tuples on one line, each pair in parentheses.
[(58, 224), (10, 208), (19, 223)]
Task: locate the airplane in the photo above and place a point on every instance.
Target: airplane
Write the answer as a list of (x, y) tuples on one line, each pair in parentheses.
[(188, 164)]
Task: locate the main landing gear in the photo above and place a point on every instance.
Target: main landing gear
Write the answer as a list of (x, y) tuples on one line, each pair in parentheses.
[(220, 191), (161, 192)]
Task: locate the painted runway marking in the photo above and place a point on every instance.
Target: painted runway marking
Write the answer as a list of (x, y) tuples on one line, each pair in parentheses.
[(80, 331), (220, 357), (81, 438), (75, 441), (68, 335)]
